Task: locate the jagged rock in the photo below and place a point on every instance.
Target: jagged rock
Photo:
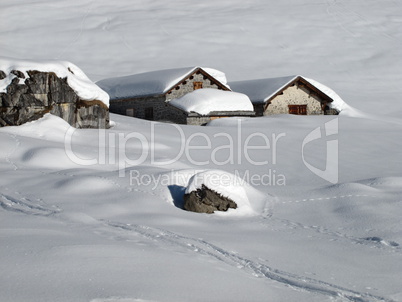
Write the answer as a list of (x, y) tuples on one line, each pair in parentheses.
[(44, 92), (18, 73), (205, 200), (2, 75)]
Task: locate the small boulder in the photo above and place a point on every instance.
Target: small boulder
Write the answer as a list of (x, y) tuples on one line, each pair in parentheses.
[(206, 200)]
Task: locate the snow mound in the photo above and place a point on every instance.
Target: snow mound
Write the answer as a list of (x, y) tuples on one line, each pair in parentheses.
[(76, 78), (204, 101), (47, 158), (249, 200), (49, 127), (79, 185)]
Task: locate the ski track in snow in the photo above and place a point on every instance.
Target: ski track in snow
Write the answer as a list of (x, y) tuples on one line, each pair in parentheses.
[(377, 242), (81, 30), (26, 206), (341, 14), (370, 242), (327, 198), (257, 269)]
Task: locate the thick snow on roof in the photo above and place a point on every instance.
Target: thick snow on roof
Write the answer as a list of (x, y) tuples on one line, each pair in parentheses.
[(76, 78), (260, 90), (206, 100), (338, 103), (151, 83), (217, 74)]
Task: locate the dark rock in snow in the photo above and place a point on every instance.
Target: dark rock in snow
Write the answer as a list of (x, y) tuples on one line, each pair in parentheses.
[(205, 200), (18, 73)]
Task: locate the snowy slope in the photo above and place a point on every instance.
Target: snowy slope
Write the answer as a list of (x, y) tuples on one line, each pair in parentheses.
[(74, 227), (94, 216)]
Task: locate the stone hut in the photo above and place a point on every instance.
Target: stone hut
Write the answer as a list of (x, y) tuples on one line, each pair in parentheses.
[(292, 95), (28, 90), (149, 95)]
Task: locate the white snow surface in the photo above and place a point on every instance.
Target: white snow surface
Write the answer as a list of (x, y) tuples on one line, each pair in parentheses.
[(76, 78), (104, 222), (206, 100), (151, 83)]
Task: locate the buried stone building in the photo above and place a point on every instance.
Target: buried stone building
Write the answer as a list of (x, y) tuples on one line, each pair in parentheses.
[(28, 90), (287, 95), (192, 95)]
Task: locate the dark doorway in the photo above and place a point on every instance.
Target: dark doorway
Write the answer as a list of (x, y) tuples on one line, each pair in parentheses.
[(149, 113)]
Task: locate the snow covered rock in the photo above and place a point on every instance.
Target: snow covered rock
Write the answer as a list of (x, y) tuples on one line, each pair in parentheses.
[(216, 190), (29, 90), (206, 200)]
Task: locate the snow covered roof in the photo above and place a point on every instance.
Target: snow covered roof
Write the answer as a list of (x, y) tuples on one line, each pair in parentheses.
[(156, 82), (207, 100), (259, 91), (76, 79), (262, 90)]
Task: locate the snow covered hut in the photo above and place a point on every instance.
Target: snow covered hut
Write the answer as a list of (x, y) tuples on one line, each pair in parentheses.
[(293, 94), (28, 90), (172, 95)]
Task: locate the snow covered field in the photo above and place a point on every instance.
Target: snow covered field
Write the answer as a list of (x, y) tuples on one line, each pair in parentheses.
[(96, 216)]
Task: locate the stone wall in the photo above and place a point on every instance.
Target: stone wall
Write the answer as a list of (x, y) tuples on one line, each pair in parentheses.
[(198, 120), (294, 95), (27, 99), (139, 107), (188, 86)]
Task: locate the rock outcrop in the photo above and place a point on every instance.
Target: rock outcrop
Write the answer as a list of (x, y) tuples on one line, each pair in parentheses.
[(28, 98), (205, 200)]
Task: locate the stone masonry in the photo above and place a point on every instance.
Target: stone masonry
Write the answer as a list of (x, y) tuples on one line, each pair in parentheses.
[(188, 86), (294, 95)]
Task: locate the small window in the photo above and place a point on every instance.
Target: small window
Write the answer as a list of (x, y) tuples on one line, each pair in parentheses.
[(197, 85), (130, 112), (298, 109), (149, 113)]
